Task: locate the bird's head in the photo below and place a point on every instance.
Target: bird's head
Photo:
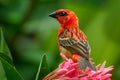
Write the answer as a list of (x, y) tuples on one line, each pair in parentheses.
[(65, 17)]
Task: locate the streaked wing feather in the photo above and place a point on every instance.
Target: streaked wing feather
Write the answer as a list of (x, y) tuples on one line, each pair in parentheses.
[(75, 46)]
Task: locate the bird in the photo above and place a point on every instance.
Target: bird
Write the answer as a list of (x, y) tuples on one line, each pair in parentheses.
[(72, 41)]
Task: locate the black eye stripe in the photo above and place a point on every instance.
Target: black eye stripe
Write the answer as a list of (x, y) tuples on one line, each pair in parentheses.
[(63, 13)]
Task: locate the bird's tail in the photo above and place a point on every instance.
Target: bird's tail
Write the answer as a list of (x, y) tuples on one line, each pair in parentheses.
[(84, 63)]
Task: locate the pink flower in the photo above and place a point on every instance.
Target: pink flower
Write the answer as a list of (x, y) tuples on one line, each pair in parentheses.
[(69, 70)]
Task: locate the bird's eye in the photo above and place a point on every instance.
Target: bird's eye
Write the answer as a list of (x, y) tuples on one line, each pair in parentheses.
[(63, 14)]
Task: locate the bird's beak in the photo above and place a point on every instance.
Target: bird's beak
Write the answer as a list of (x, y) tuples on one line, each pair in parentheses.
[(53, 14)]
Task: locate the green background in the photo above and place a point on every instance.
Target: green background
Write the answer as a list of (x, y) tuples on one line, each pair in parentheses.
[(29, 33)]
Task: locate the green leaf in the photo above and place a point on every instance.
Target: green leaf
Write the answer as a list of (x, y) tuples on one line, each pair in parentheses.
[(10, 71), (43, 69), (4, 51), (7, 69), (4, 56), (2, 72)]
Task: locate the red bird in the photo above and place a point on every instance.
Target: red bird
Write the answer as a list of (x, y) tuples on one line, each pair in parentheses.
[(72, 41)]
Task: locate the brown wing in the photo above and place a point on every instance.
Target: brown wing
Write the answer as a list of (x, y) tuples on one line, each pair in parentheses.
[(74, 46)]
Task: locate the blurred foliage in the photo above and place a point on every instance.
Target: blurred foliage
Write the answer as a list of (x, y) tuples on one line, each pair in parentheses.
[(30, 33), (8, 70)]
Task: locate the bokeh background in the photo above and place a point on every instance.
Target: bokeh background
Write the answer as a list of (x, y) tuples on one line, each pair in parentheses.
[(30, 32)]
